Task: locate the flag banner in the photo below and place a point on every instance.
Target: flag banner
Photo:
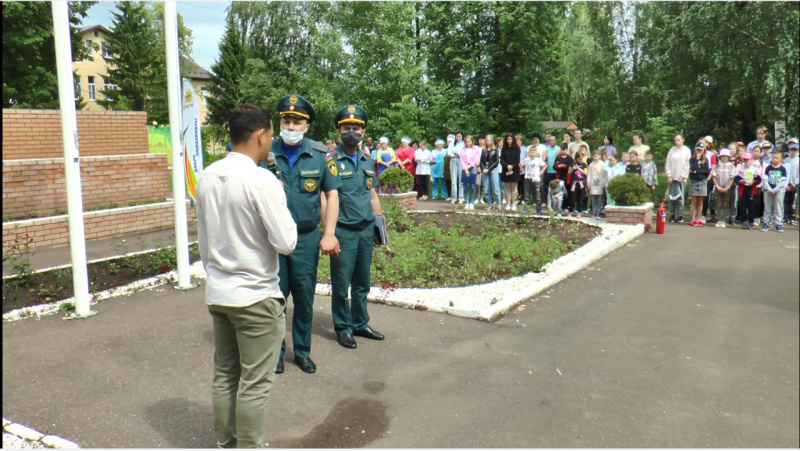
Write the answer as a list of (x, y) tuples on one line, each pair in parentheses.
[(190, 138)]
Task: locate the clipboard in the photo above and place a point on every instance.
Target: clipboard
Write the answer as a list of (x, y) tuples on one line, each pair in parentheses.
[(381, 234)]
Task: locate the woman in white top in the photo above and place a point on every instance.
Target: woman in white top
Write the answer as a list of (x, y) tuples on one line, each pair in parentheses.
[(677, 169), (454, 152), (423, 157), (639, 146)]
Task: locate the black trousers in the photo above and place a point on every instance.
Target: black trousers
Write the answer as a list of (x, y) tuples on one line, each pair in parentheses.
[(788, 206), (759, 203), (747, 205), (424, 182), (577, 199), (708, 201)]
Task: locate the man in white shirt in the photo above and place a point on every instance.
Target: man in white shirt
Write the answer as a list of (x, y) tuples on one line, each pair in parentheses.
[(243, 223), (575, 147)]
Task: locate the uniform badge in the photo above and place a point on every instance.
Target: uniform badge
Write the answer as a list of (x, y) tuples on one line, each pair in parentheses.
[(293, 99), (332, 167), (310, 185), (342, 166), (369, 183), (351, 109)]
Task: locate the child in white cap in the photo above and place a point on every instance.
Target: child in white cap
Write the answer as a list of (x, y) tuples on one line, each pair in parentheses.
[(722, 175)]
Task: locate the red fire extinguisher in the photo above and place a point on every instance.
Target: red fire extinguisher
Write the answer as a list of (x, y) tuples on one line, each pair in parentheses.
[(661, 220)]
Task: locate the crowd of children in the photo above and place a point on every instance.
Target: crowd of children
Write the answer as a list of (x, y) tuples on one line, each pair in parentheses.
[(744, 184)]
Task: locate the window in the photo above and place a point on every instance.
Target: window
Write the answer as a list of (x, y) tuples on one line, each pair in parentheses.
[(204, 94), (109, 87), (78, 89), (91, 89), (89, 49), (106, 50), (96, 34)]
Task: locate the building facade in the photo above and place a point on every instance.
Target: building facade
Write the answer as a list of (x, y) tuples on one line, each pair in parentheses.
[(92, 72)]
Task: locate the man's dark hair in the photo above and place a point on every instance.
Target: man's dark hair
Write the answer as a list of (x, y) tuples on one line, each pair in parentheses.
[(536, 135), (247, 119)]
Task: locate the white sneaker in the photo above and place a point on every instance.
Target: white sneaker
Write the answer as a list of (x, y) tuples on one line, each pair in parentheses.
[(472, 206), (722, 224), (504, 201), (513, 207)]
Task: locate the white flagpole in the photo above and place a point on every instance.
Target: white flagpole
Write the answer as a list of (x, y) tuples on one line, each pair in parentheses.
[(178, 177), (72, 167)]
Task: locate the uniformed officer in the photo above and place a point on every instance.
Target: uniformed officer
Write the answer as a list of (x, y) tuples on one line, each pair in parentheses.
[(355, 230), (301, 166)]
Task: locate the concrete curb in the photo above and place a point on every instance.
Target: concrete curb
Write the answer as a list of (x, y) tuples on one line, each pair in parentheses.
[(32, 435), (195, 270), (490, 301)]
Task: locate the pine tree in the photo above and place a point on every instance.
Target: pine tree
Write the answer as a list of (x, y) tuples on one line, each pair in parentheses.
[(137, 65), (226, 79)]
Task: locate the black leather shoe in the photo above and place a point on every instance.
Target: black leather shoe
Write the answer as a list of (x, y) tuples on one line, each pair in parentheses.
[(279, 369), (346, 340), (306, 364), (368, 332)]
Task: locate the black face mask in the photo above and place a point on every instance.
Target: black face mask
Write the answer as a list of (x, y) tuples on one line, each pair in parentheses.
[(350, 139)]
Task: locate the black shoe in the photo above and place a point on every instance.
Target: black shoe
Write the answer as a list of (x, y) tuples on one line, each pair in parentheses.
[(680, 219), (306, 364), (346, 340), (671, 218), (279, 368), (368, 332)]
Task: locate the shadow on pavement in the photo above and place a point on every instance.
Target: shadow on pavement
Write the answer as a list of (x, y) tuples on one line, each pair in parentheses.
[(182, 423), (352, 423)]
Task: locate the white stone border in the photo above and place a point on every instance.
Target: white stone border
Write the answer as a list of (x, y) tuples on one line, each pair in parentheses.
[(195, 270), (32, 435), (489, 301)]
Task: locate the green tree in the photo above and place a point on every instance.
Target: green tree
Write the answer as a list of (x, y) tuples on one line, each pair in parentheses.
[(136, 65), (712, 68), (500, 59), (293, 48), (185, 38), (227, 74), (29, 58)]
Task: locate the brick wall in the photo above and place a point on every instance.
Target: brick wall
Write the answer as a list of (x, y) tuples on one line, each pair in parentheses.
[(39, 185), (98, 225), (37, 133), (630, 215), (409, 199)]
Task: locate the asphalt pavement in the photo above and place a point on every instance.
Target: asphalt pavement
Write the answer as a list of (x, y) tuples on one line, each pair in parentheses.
[(688, 339)]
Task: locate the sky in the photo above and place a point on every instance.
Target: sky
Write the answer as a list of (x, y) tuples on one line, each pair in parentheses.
[(206, 19)]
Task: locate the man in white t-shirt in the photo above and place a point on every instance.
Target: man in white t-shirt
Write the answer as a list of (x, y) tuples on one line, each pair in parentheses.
[(574, 147)]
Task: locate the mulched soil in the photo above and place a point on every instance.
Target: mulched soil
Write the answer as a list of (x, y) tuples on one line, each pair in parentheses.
[(577, 232), (47, 287)]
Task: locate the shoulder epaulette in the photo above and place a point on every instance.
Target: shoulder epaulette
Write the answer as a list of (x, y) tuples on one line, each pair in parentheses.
[(318, 146)]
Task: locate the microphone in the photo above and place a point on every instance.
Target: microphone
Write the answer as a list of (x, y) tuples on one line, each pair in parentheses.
[(272, 165)]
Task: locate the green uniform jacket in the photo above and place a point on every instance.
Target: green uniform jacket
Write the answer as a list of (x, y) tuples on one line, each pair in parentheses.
[(355, 194), (304, 182)]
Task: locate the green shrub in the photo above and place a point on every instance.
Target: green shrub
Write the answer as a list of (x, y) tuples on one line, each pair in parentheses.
[(209, 158), (629, 190), (396, 180)]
